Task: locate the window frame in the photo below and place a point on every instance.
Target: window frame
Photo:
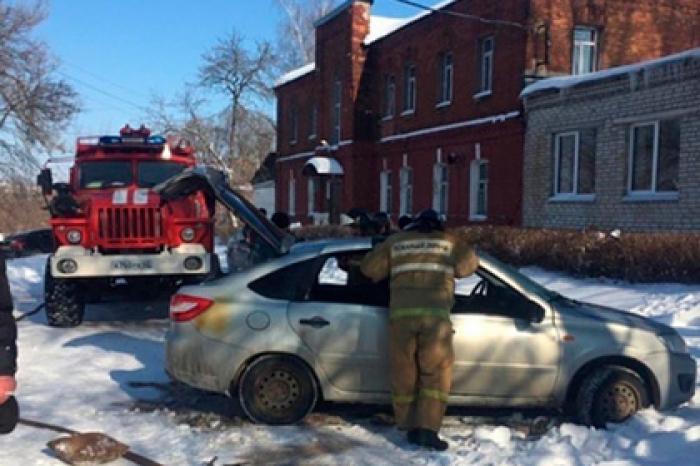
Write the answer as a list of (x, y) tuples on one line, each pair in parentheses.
[(313, 122), (486, 89), (446, 80), (385, 191), (575, 195), (652, 193), (292, 194), (441, 185), (582, 45), (410, 90), (475, 185), (294, 125), (406, 191), (336, 111)]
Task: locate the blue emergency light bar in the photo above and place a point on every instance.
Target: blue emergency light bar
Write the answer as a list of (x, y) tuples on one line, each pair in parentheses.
[(113, 140)]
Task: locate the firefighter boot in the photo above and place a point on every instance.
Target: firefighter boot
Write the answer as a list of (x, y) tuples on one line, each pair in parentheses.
[(427, 438)]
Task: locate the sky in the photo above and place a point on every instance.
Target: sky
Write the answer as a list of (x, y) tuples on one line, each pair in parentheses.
[(118, 54)]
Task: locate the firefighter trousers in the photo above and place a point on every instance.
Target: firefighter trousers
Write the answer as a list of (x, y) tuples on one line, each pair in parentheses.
[(421, 358)]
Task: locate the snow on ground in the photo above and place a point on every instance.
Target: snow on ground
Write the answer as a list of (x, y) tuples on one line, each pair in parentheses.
[(107, 375)]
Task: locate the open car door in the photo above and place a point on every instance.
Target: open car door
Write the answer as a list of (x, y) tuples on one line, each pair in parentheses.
[(214, 185)]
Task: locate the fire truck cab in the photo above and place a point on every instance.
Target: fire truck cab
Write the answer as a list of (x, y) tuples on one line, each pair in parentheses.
[(114, 233)]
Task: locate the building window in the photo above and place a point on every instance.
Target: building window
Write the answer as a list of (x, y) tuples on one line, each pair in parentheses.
[(440, 188), (313, 122), (336, 111), (486, 50), (585, 54), (406, 176), (445, 81), (292, 194), (293, 126), (574, 164), (385, 197), (389, 96), (312, 190), (479, 189), (409, 89), (654, 157)]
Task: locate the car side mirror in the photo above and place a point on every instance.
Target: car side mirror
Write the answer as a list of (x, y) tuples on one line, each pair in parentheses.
[(535, 312), (45, 181)]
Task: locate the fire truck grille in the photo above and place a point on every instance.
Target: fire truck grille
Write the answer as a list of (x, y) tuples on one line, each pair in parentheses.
[(129, 225)]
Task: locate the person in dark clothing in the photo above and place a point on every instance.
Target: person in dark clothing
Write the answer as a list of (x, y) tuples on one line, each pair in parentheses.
[(9, 411), (404, 221), (281, 220), (383, 223)]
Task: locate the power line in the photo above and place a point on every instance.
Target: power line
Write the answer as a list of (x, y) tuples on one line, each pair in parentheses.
[(101, 91), (498, 22), (102, 78)]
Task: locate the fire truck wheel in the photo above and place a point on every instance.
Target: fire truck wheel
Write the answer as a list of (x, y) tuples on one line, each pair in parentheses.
[(64, 305)]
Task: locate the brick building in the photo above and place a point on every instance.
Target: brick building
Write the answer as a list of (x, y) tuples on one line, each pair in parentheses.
[(401, 115), (616, 149)]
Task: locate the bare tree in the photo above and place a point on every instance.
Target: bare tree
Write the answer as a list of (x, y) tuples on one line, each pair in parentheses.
[(243, 76), (297, 25), (34, 105)]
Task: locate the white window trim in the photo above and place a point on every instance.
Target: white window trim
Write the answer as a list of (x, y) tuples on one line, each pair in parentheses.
[(443, 85), (292, 195), (647, 194), (437, 186), (574, 195), (583, 44), (474, 185), (294, 117), (384, 186), (389, 97), (314, 123), (486, 90), (482, 94), (411, 83), (404, 208), (337, 110)]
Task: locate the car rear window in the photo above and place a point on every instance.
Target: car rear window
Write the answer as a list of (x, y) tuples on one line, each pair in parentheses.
[(284, 283)]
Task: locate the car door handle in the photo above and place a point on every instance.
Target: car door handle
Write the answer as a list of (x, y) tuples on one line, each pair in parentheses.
[(316, 322)]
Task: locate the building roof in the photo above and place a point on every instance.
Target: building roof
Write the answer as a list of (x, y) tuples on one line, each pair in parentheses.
[(566, 82), (295, 74)]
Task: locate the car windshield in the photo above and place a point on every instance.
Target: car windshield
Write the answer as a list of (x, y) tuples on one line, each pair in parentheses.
[(153, 173), (99, 175), (515, 275)]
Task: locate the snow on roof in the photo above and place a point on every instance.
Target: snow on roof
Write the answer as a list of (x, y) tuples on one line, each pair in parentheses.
[(295, 74), (387, 26), (565, 82)]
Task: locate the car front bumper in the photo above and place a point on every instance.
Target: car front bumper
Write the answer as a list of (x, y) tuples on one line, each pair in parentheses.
[(683, 372), (90, 264)]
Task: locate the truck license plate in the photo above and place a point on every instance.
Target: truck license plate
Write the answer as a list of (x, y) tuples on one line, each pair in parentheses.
[(126, 264)]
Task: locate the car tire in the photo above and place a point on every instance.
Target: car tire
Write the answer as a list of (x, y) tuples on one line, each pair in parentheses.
[(277, 390), (64, 305), (610, 394)]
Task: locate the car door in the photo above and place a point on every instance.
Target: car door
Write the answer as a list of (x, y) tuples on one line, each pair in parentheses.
[(499, 350), (343, 321)]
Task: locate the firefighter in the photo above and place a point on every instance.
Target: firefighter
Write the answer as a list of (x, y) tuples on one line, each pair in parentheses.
[(422, 263), (9, 411)]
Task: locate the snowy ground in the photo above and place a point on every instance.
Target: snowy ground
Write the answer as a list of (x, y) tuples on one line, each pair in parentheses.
[(107, 375)]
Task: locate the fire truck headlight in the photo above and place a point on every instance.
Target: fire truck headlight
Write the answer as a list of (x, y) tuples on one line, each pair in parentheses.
[(187, 234), (193, 263), (74, 236), (67, 266)]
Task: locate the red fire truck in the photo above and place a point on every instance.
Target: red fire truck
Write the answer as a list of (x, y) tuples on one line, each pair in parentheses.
[(112, 231)]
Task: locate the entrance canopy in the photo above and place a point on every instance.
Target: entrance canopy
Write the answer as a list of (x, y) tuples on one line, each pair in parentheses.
[(323, 166)]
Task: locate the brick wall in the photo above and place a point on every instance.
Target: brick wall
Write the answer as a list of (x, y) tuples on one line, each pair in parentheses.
[(611, 106)]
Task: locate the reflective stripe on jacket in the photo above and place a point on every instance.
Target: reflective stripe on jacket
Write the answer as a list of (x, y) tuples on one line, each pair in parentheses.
[(422, 268)]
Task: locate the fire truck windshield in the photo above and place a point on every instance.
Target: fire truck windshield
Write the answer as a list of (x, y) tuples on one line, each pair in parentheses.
[(100, 175), (153, 173)]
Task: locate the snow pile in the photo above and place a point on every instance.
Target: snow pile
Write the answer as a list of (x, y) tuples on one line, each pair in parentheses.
[(295, 74), (107, 376), (387, 26), (565, 82)]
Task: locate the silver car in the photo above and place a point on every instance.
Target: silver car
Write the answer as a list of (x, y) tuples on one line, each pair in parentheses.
[(305, 325)]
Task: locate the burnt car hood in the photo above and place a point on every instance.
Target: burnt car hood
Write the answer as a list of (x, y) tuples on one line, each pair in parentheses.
[(213, 183)]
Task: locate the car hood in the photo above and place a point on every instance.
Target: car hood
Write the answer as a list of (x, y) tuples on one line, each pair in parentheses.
[(213, 183), (611, 315)]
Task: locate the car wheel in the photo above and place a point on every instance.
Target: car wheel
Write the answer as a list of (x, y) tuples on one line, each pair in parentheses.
[(277, 390), (610, 394)]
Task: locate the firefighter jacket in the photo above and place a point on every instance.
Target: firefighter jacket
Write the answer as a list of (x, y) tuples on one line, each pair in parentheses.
[(422, 268), (8, 329)]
